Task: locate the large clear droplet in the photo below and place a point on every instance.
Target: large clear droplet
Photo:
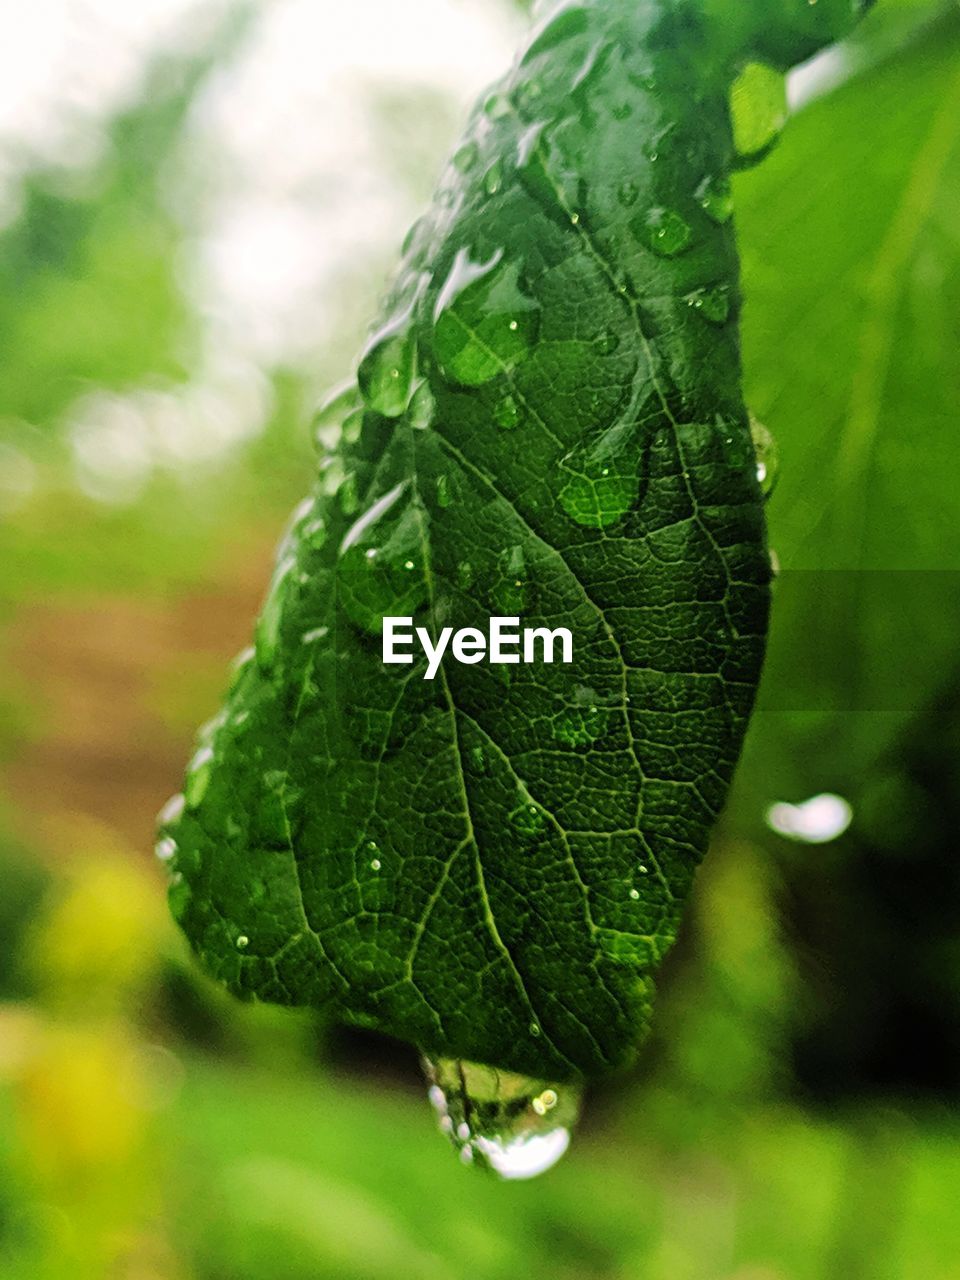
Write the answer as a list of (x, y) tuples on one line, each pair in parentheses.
[(484, 324), (758, 107), (514, 1125)]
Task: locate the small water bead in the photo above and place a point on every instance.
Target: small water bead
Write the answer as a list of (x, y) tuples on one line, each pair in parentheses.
[(172, 811), (526, 97), (332, 474), (506, 413), (375, 864), (493, 178), (768, 457), (712, 302), (715, 197), (267, 636), (242, 942), (534, 1028), (422, 410), (444, 492), (529, 819), (758, 108), (352, 426), (584, 720), (314, 635), (165, 848), (378, 562), (199, 771), (328, 420), (529, 140), (348, 495), (602, 478), (664, 230), (315, 532), (628, 193), (484, 323), (466, 157), (510, 590), (635, 894), (386, 371), (497, 106)]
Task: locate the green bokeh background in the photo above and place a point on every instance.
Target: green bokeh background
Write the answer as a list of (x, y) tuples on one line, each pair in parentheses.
[(796, 1113)]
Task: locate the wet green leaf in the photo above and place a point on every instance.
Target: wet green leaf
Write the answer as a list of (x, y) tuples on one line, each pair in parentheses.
[(492, 864)]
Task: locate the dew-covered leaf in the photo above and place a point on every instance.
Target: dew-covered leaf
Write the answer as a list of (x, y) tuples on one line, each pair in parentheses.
[(491, 864)]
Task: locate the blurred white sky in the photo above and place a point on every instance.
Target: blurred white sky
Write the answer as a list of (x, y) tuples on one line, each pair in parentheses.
[(296, 185), (307, 156)]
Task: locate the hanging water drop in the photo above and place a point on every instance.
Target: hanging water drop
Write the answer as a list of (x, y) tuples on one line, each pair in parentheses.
[(514, 1125)]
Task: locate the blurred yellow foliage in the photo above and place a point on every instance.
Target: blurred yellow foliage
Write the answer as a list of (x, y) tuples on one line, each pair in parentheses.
[(105, 930)]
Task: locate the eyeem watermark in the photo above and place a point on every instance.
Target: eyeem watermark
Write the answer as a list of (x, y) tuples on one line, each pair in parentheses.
[(505, 642)]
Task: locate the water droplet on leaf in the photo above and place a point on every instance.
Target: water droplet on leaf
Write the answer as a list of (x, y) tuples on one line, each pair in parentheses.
[(328, 420), (506, 413), (387, 367), (768, 457), (484, 323), (423, 407), (165, 848), (510, 589), (664, 230), (466, 157), (758, 106), (601, 478), (712, 302), (199, 771), (377, 568), (715, 197)]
